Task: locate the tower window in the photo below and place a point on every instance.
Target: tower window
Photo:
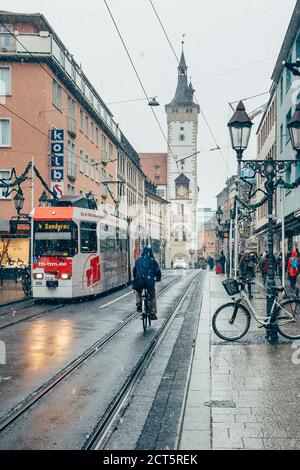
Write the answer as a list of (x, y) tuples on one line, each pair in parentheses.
[(182, 128), (181, 137)]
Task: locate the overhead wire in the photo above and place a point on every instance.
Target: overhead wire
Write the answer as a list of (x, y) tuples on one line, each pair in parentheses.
[(139, 78), (201, 110)]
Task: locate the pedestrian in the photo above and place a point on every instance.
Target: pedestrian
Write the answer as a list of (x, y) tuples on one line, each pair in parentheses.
[(222, 262), (247, 270), (264, 267), (279, 266), (293, 268)]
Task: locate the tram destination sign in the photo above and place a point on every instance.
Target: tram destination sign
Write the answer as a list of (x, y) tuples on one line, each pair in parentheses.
[(53, 226)]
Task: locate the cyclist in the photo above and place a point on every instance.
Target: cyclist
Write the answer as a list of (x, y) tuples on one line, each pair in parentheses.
[(145, 271)]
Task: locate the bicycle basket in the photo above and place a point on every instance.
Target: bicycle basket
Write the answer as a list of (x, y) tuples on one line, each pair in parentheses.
[(231, 286)]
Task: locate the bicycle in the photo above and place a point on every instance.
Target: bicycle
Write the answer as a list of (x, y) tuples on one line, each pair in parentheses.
[(231, 321), (146, 311)]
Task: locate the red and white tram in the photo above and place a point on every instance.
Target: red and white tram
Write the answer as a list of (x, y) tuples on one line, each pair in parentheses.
[(79, 252)]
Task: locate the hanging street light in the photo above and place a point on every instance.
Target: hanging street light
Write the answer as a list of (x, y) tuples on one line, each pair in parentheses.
[(153, 102)]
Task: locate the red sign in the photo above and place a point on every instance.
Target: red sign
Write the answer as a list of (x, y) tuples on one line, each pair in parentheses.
[(55, 266), (91, 271)]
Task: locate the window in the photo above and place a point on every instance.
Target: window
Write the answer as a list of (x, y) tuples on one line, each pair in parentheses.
[(88, 237), (87, 165), (81, 120), (83, 86), (57, 95), (52, 238), (97, 137), (157, 178), (97, 175), (104, 187), (287, 120), (5, 81), (104, 148), (297, 174), (71, 161), (81, 161), (281, 138), (92, 171), (182, 128), (92, 132), (181, 137), (298, 47), (5, 132), (5, 175), (288, 77), (70, 190), (86, 126), (6, 38), (288, 175), (110, 147)]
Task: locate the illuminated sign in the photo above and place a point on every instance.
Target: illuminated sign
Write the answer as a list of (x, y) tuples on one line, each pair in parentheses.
[(53, 226), (18, 227), (57, 161)]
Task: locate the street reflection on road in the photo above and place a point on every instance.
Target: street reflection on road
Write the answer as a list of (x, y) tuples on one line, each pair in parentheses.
[(47, 342)]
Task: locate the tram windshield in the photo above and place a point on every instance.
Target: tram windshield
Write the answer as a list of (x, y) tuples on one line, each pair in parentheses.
[(55, 239)]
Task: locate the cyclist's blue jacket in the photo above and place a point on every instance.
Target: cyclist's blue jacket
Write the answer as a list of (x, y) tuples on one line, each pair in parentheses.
[(145, 271)]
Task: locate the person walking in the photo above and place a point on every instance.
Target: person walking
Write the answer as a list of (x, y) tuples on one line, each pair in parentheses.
[(264, 267), (247, 270), (222, 262), (293, 268)]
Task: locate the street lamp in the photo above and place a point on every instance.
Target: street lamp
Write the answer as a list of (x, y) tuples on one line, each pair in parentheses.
[(219, 215), (19, 201), (294, 130), (153, 102), (240, 126), (43, 200)]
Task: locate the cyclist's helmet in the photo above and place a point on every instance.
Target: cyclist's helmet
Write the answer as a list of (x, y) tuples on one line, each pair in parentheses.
[(147, 252)]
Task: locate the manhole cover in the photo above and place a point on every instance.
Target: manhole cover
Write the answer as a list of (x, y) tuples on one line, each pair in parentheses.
[(221, 404)]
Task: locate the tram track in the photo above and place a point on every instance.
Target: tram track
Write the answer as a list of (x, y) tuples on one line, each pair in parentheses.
[(20, 409), (111, 417)]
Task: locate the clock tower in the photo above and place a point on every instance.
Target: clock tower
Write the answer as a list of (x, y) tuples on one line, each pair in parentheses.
[(182, 187)]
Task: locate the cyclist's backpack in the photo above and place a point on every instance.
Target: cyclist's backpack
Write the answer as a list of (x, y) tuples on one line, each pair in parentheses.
[(295, 263)]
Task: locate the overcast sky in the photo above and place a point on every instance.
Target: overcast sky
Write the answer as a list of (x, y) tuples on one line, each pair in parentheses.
[(220, 35)]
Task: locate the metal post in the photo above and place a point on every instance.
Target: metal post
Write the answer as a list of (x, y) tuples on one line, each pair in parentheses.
[(236, 234), (271, 270), (230, 247), (32, 209), (283, 236)]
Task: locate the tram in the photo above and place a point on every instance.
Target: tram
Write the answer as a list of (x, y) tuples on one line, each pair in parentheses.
[(79, 252)]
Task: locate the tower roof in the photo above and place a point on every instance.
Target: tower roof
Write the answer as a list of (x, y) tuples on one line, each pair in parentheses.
[(184, 95)]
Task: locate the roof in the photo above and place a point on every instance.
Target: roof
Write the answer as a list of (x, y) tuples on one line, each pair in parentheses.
[(154, 165), (287, 43), (184, 95), (182, 179)]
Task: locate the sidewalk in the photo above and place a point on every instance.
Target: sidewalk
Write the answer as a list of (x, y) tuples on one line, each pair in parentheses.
[(11, 292), (242, 395)]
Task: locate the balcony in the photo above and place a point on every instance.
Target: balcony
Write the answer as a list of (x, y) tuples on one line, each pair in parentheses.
[(71, 171), (45, 45), (71, 127)]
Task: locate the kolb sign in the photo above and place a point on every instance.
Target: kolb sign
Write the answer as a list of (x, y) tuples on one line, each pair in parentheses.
[(57, 150)]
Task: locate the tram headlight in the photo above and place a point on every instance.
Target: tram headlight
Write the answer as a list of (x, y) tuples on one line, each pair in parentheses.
[(65, 276), (38, 276)]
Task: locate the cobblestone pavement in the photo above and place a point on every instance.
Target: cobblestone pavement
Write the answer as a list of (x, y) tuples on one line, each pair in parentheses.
[(242, 395)]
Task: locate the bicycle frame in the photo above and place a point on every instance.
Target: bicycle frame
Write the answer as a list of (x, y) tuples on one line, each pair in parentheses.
[(262, 320)]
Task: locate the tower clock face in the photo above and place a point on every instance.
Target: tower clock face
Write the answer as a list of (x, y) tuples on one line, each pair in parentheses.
[(182, 191)]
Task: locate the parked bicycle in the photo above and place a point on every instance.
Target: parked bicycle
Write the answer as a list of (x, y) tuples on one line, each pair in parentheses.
[(232, 320), (146, 310)]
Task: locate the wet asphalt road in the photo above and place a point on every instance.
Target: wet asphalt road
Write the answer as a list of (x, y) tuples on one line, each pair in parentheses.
[(39, 348)]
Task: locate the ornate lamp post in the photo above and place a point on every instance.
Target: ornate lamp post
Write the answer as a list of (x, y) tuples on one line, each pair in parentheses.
[(43, 200), (19, 201), (240, 126)]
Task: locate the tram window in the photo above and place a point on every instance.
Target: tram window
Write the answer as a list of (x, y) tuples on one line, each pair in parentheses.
[(53, 238), (88, 237)]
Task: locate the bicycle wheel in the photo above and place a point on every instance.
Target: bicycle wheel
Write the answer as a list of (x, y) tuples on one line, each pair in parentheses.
[(288, 318), (145, 321), (231, 321)]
